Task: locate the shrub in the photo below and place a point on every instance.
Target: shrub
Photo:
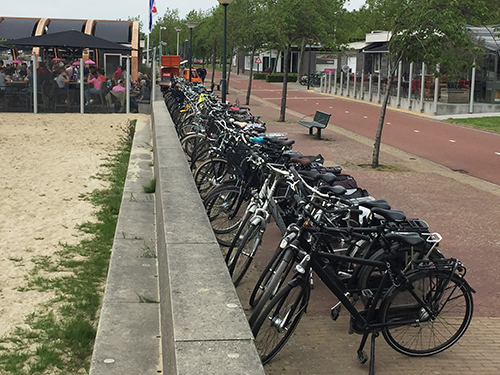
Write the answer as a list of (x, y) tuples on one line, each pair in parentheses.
[(260, 75), (278, 77)]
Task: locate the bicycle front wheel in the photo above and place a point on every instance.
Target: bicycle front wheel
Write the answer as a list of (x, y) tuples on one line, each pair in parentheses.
[(429, 316), (278, 321), (238, 264)]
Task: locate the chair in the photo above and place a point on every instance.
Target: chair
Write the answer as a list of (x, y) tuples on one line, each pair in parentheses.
[(59, 98)]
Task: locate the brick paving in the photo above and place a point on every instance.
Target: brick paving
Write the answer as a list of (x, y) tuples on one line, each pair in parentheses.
[(462, 208)]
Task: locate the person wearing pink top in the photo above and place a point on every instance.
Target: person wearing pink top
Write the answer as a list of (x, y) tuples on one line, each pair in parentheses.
[(117, 96), (96, 82)]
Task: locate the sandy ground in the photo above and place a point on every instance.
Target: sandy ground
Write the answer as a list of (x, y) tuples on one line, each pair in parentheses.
[(46, 163)]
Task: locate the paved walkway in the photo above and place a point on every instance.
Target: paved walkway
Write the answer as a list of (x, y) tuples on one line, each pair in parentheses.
[(462, 208)]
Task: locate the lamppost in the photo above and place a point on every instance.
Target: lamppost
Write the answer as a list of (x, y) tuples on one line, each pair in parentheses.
[(191, 26), (224, 3), (160, 42), (178, 29)]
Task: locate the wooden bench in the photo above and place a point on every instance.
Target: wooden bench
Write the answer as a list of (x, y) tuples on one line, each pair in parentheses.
[(319, 122)]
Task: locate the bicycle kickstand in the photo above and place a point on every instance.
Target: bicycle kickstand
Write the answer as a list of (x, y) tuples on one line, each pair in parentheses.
[(371, 370)]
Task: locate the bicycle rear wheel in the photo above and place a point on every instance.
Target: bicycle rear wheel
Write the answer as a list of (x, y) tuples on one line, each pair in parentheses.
[(433, 324), (278, 321), (209, 174)]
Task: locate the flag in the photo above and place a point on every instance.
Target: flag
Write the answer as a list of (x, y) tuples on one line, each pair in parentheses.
[(152, 12)]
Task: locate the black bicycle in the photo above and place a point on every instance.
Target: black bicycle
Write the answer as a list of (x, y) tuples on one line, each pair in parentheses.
[(421, 309)]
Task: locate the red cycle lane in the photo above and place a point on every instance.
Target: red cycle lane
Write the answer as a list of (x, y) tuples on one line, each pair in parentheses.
[(462, 149)]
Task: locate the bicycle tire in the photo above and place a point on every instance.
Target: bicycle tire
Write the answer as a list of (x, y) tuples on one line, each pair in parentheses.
[(270, 281), (225, 207), (370, 276), (453, 313), (209, 174), (239, 263), (279, 319), (203, 151), (189, 142)]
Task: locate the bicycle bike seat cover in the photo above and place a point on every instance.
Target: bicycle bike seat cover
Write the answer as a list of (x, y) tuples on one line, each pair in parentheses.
[(389, 215), (381, 203)]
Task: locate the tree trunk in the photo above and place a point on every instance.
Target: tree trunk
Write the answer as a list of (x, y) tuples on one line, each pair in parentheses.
[(229, 72), (286, 52), (301, 57), (249, 90), (383, 110), (275, 65)]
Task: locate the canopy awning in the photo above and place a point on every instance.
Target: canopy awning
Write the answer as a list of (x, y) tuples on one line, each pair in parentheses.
[(69, 39), (376, 48)]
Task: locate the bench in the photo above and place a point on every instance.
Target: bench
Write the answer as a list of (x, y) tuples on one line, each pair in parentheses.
[(319, 122)]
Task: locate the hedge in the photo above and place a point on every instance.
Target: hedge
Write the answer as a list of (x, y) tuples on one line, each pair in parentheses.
[(260, 75), (278, 77)]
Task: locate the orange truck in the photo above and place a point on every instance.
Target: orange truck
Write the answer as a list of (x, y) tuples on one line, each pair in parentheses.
[(169, 68)]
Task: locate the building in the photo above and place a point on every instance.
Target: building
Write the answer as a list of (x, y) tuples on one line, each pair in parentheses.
[(122, 32)]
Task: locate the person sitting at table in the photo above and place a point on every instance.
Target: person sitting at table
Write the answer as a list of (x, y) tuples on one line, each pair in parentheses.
[(117, 74), (3, 78), (143, 96), (117, 94), (61, 79), (96, 82)]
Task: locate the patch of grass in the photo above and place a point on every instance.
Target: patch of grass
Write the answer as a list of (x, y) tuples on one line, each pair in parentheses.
[(148, 252), (385, 168), (59, 337), (486, 123), (150, 187)]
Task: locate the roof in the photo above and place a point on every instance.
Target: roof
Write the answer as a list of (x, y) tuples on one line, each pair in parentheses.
[(357, 45), (490, 35), (12, 28), (376, 48)]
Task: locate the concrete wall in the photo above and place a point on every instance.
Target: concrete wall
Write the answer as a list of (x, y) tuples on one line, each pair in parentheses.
[(204, 328), (176, 312)]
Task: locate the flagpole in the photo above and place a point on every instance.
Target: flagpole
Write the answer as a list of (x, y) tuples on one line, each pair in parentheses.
[(147, 50)]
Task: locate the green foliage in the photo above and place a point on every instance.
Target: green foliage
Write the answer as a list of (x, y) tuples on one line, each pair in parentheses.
[(278, 77), (260, 75)]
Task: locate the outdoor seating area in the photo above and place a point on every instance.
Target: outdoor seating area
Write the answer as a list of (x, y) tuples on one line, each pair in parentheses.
[(70, 71), (59, 88)]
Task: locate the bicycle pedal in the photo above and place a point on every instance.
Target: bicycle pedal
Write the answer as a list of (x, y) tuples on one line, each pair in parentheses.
[(334, 313), (362, 357)]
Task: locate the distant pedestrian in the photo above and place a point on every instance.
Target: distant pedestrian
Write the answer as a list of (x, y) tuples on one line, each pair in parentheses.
[(202, 72)]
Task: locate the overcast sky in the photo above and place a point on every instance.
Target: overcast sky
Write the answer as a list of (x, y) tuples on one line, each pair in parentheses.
[(108, 10)]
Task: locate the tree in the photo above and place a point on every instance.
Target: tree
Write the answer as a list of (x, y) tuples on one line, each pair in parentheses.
[(429, 31), (292, 20)]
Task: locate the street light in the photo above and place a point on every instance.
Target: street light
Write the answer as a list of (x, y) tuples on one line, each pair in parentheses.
[(191, 26), (159, 40), (224, 3), (178, 29)]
